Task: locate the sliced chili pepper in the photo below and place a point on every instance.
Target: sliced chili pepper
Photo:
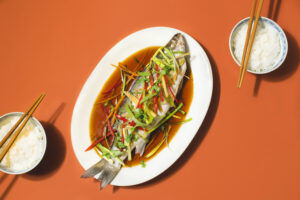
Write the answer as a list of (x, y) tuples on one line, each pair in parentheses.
[(170, 89), (121, 118)]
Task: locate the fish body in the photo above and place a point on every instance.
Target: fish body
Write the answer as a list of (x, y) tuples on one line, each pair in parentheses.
[(142, 117)]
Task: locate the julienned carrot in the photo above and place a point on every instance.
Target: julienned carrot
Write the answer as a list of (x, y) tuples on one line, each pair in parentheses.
[(116, 108), (117, 84), (124, 69), (109, 98), (170, 89)]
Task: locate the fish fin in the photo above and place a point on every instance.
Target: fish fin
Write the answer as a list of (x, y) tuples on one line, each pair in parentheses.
[(108, 174), (94, 170)]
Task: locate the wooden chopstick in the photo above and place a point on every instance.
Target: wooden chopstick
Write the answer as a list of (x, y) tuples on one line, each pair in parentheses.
[(247, 48), (247, 39), (27, 114)]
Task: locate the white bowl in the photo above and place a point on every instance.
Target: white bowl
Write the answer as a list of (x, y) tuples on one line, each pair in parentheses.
[(44, 141), (283, 41)]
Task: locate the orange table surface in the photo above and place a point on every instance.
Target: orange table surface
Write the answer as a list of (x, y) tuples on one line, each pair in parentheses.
[(248, 146)]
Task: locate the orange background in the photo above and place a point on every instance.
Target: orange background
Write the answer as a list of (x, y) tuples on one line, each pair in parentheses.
[(248, 147)]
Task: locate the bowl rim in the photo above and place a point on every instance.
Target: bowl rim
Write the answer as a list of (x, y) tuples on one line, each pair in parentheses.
[(283, 36), (41, 128)]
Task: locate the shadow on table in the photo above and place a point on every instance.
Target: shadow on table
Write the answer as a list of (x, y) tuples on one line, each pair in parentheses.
[(287, 69), (9, 187), (291, 63), (273, 11), (55, 151), (196, 142)]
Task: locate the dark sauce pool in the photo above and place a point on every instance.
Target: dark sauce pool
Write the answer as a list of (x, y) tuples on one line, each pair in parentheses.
[(98, 117)]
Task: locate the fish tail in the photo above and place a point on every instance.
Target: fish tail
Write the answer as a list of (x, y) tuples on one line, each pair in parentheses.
[(107, 172)]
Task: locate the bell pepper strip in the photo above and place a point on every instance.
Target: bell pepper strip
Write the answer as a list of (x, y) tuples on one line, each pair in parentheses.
[(121, 118), (110, 128), (154, 97), (161, 96), (122, 135), (160, 91), (132, 123), (139, 105), (97, 141), (151, 80), (170, 89), (143, 94)]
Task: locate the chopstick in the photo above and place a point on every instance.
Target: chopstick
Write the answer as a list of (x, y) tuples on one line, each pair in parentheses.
[(247, 48), (27, 114)]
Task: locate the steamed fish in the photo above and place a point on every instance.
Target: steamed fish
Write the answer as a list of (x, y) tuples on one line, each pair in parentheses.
[(148, 103)]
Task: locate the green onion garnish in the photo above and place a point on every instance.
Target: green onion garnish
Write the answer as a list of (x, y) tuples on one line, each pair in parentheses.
[(165, 119), (181, 122)]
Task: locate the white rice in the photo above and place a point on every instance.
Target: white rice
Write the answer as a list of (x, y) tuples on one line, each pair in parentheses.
[(266, 49), (27, 150)]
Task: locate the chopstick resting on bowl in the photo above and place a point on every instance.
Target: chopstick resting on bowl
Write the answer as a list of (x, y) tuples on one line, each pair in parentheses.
[(14, 134), (247, 48)]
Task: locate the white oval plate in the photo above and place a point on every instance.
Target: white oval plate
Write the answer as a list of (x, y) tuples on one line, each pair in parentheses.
[(203, 86)]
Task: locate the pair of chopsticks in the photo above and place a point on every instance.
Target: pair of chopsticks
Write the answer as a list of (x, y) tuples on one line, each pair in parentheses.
[(247, 48), (14, 134)]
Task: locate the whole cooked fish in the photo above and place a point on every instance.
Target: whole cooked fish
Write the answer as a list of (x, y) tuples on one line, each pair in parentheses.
[(149, 102)]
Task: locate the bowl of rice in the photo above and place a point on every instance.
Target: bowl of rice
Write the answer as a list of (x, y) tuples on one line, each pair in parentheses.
[(29, 147), (269, 48)]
